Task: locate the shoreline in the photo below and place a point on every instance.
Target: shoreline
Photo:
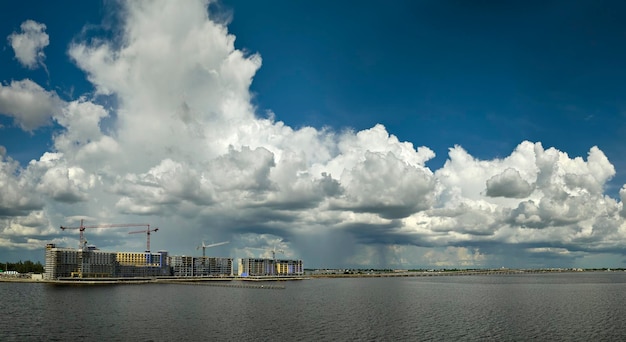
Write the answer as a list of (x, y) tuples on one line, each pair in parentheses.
[(226, 279), (149, 280)]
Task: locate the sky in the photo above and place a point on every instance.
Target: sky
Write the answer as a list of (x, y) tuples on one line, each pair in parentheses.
[(406, 134)]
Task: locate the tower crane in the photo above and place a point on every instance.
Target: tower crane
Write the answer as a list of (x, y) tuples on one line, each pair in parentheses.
[(274, 253), (81, 229), (204, 247), (273, 250), (147, 231)]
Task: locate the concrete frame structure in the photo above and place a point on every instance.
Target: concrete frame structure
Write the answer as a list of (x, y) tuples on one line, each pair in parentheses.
[(142, 264), (269, 267), (93, 263), (188, 266), (69, 262), (289, 267)]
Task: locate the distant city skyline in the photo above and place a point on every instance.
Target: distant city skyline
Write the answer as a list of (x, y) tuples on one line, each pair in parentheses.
[(414, 134)]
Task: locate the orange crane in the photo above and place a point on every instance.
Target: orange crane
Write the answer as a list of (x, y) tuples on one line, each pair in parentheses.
[(82, 227), (147, 231)]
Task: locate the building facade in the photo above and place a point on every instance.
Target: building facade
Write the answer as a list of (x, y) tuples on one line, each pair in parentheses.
[(289, 267), (188, 266), (269, 267), (93, 263), (142, 264), (69, 262), (182, 266)]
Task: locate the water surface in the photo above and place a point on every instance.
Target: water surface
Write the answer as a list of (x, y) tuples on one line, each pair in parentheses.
[(570, 306)]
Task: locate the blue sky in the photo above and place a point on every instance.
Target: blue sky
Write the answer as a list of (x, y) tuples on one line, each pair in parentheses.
[(407, 134), (485, 75)]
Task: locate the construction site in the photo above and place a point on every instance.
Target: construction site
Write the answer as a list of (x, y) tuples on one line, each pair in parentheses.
[(88, 262)]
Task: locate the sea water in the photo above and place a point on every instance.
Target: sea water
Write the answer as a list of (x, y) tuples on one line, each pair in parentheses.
[(585, 306)]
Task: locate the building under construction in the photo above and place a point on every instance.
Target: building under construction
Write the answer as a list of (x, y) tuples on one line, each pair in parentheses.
[(269, 267), (89, 262), (188, 266), (93, 263)]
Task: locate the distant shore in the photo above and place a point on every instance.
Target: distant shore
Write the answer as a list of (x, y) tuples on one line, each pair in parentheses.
[(313, 275), (374, 274)]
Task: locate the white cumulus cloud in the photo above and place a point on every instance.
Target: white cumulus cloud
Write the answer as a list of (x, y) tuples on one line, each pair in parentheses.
[(28, 44), (29, 104), (184, 149)]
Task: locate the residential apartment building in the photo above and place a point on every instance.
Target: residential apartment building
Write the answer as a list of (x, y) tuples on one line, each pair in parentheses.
[(69, 262), (188, 266), (93, 263), (269, 267)]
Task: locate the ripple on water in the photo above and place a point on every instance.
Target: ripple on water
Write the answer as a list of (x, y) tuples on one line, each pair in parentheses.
[(499, 308)]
